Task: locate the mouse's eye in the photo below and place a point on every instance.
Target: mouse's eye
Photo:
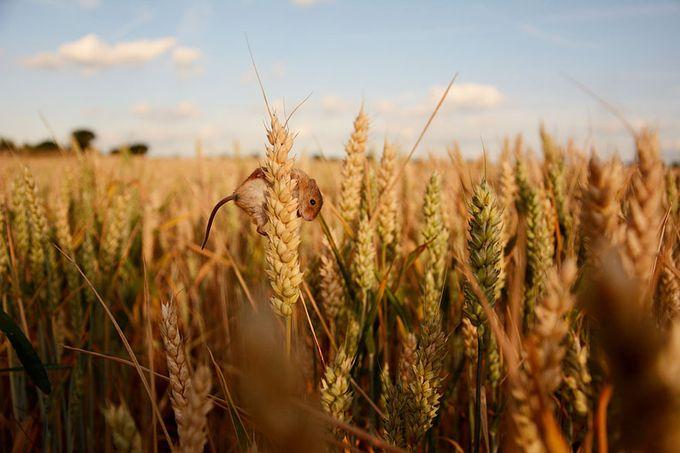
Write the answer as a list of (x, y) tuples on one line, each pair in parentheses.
[(312, 201)]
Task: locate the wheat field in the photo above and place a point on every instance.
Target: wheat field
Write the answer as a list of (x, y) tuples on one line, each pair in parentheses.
[(529, 302)]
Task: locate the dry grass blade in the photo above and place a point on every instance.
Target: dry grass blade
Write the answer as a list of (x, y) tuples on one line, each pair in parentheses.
[(379, 205), (124, 339)]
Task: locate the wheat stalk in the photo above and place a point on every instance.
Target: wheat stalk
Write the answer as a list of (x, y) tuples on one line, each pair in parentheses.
[(42, 255), (115, 233), (641, 233), (433, 232), (667, 304), (485, 251), (283, 224), (601, 209), (332, 290), (353, 170), (178, 368), (4, 252), (542, 375), (507, 194), (336, 392), (554, 161), (387, 217), (552, 326), (363, 266), (576, 375), (539, 249), (21, 227), (193, 432), (65, 240), (124, 431)]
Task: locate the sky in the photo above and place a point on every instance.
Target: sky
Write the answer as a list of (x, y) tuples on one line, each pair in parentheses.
[(170, 73)]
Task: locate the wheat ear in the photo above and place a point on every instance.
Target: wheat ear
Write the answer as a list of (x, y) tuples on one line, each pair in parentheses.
[(193, 433), (353, 169), (641, 234), (283, 224), (178, 368), (601, 208), (124, 431)]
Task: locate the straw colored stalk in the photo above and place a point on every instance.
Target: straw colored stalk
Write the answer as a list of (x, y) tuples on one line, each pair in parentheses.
[(532, 389), (387, 216), (539, 249), (436, 235), (336, 391), (178, 368), (556, 182), (601, 208), (353, 170), (363, 266), (124, 431), (193, 433), (283, 225), (4, 251), (485, 251), (641, 233), (332, 291)]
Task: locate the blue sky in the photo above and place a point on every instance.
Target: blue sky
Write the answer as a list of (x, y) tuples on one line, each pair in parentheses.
[(171, 72)]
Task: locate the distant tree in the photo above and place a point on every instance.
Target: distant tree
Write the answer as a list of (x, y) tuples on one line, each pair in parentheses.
[(83, 137), (6, 144), (46, 146), (139, 149), (124, 150)]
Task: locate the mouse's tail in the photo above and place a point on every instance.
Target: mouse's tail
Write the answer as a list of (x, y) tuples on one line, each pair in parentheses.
[(219, 204)]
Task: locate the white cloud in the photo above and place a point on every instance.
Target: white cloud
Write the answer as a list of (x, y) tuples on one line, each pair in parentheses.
[(43, 60), (141, 108), (89, 4), (180, 111), (305, 3), (463, 96), (469, 96), (186, 61), (186, 56), (334, 104), (90, 52), (386, 107)]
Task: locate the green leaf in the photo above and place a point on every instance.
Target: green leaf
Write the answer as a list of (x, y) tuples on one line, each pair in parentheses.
[(400, 309), (25, 352)]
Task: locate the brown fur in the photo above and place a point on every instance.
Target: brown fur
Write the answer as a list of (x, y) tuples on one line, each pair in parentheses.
[(250, 197)]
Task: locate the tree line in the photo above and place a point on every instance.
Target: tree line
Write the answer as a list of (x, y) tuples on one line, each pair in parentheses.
[(81, 140)]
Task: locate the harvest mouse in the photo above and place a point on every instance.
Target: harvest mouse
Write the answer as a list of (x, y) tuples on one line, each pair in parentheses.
[(250, 197)]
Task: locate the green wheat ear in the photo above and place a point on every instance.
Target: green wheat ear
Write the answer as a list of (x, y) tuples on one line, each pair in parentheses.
[(20, 223), (336, 391), (363, 267), (436, 235), (4, 252), (434, 232), (485, 250), (554, 162), (539, 245)]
